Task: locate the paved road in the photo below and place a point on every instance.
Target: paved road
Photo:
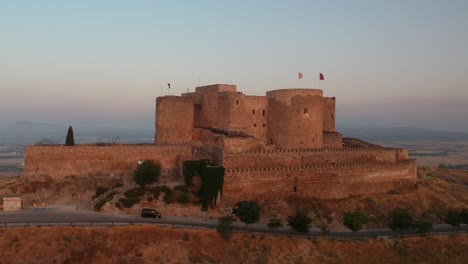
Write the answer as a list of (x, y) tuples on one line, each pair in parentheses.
[(72, 215)]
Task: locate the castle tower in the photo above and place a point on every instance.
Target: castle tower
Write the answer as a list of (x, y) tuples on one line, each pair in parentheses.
[(329, 114), (174, 120), (295, 118)]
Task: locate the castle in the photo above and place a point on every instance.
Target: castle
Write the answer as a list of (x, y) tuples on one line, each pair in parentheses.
[(271, 146)]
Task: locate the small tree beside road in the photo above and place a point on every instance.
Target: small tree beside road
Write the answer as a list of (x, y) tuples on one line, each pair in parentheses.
[(354, 220), (247, 211), (300, 221), (400, 220)]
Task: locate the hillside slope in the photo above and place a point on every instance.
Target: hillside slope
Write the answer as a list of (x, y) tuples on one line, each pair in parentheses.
[(149, 244)]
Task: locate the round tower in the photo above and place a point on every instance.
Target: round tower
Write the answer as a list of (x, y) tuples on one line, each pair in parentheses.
[(295, 118)]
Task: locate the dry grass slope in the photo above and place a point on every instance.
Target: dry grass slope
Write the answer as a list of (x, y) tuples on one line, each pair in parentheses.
[(149, 244)]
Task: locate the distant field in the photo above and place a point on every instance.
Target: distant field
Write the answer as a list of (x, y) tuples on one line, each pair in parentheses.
[(433, 153)]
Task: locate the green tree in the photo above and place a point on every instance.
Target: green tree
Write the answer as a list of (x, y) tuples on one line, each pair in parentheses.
[(423, 226), (464, 215), (354, 220), (147, 172), (454, 218), (247, 211), (300, 221), (275, 222), (70, 139), (399, 220)]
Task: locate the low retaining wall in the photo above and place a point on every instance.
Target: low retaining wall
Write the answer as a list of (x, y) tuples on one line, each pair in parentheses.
[(56, 162)]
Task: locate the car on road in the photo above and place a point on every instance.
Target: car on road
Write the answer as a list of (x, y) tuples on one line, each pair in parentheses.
[(150, 213)]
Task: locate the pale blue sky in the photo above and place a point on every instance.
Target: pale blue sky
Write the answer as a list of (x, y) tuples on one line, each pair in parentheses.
[(97, 60)]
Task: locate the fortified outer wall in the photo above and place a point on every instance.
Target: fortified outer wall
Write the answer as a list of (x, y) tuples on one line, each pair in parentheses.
[(321, 181), (299, 157), (295, 118), (56, 162), (174, 120)]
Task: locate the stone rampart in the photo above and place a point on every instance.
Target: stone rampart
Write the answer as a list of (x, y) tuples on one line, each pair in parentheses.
[(321, 181), (301, 157), (56, 162)]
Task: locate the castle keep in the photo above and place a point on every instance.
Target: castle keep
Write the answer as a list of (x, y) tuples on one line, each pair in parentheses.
[(272, 146)]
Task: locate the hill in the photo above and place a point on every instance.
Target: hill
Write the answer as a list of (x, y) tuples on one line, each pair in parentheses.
[(149, 244)]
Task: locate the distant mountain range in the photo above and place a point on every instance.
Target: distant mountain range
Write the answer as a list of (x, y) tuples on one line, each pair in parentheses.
[(395, 134), (84, 132), (88, 132)]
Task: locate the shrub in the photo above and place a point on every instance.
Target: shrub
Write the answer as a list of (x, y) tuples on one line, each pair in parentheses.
[(100, 204), (118, 205), (181, 188), (167, 198), (454, 218), (423, 226), (100, 191), (183, 198), (464, 215), (117, 185), (149, 199), (129, 202), (400, 219), (147, 172), (135, 192), (224, 227), (354, 220), (275, 222), (300, 222), (247, 211)]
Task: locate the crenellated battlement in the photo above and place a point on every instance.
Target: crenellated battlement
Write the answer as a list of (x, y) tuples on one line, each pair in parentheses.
[(324, 166)]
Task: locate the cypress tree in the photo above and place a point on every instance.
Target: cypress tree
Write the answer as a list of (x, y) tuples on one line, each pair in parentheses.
[(70, 140)]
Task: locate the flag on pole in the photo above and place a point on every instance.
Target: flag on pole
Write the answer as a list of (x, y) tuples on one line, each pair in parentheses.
[(299, 75), (321, 76), (169, 85)]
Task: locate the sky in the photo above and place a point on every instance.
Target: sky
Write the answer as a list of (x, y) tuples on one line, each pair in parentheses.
[(388, 63)]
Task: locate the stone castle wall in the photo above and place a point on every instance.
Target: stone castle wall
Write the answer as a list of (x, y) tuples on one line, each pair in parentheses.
[(300, 157), (329, 114), (44, 163), (174, 122), (321, 181)]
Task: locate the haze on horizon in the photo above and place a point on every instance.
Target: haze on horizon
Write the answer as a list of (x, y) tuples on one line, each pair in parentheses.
[(388, 63)]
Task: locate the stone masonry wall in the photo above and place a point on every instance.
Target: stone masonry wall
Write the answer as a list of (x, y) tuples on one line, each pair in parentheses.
[(174, 120), (295, 118), (332, 140), (56, 162), (321, 181), (298, 157), (329, 114)]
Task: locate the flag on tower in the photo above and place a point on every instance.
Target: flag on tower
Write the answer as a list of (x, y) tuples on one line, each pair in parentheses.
[(169, 85), (321, 76), (299, 75)]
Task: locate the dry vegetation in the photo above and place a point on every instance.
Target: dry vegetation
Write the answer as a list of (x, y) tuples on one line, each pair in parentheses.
[(149, 244), (436, 191)]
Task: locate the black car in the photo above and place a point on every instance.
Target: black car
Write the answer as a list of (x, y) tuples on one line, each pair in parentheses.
[(151, 213)]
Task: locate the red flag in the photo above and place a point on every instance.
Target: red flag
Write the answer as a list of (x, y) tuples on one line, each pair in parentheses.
[(321, 77), (299, 75)]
